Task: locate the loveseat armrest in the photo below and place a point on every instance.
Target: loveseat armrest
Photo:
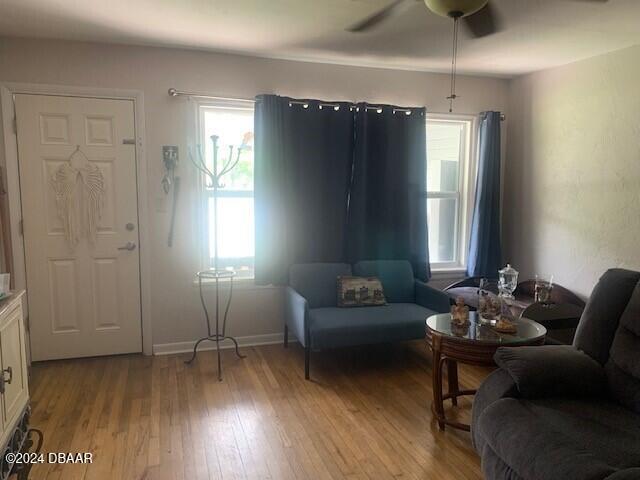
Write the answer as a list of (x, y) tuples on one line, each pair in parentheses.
[(552, 371), (296, 314), (432, 298)]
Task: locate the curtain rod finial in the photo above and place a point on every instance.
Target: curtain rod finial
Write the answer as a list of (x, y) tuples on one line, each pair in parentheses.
[(173, 92)]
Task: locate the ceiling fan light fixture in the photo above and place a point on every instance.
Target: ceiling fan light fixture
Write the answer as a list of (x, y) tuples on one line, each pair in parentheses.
[(455, 8)]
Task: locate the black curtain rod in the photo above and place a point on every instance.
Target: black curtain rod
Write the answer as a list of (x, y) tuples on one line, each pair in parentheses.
[(305, 103), (179, 93)]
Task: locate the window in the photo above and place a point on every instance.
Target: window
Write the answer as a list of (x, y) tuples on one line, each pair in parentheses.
[(448, 187), (233, 124), (448, 192)]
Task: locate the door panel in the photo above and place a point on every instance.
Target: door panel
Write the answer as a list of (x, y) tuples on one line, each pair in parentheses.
[(105, 284), (84, 300), (63, 302)]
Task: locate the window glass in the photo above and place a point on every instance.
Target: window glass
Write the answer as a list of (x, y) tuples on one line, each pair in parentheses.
[(442, 218), (234, 128), (448, 147), (235, 228), (443, 156)]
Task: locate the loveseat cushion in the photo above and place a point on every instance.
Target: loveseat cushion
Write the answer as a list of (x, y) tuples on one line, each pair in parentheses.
[(317, 282), (553, 439), (344, 327), (396, 277)]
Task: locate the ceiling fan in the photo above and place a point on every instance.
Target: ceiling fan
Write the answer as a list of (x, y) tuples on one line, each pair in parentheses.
[(479, 16)]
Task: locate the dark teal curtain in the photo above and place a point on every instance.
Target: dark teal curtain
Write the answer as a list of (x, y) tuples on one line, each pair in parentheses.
[(303, 160), (387, 205), (485, 250), (337, 183)]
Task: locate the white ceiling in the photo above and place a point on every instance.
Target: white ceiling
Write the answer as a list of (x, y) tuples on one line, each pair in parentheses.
[(538, 33)]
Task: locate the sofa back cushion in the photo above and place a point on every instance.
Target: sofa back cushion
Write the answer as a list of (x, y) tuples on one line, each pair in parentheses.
[(623, 366), (602, 314), (396, 277), (317, 282)]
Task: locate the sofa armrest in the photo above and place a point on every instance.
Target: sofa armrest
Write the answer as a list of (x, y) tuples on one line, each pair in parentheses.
[(296, 314), (432, 298), (552, 371), (496, 386)]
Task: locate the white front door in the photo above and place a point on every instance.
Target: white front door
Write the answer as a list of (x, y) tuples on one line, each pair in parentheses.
[(84, 294)]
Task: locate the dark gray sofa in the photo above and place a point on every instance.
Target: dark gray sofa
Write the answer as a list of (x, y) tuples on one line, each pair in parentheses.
[(312, 314), (568, 412)]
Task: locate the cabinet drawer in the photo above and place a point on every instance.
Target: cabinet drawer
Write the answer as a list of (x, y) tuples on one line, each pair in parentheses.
[(13, 363)]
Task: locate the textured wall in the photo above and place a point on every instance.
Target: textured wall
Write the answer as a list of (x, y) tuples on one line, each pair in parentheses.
[(572, 187), (176, 314)]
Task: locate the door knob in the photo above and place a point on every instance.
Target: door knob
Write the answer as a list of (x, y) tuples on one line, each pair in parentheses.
[(129, 246)]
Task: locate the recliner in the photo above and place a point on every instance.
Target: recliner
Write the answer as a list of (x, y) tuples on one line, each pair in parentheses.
[(570, 412)]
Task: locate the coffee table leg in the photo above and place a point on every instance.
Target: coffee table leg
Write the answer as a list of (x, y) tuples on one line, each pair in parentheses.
[(438, 407), (452, 373)]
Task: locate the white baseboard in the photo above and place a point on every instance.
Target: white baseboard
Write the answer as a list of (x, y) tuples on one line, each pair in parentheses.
[(248, 341)]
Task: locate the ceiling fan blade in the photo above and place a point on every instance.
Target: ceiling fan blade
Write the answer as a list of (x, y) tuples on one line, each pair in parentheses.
[(484, 22), (376, 18)]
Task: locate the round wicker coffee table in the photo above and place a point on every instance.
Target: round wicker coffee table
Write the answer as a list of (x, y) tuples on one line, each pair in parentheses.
[(474, 345)]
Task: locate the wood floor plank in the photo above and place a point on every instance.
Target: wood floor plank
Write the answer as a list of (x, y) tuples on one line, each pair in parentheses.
[(365, 414)]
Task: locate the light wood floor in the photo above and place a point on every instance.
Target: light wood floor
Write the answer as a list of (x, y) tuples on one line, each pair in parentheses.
[(365, 415)]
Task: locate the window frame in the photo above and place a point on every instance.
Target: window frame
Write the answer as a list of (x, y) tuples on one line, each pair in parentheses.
[(465, 194), (205, 194)]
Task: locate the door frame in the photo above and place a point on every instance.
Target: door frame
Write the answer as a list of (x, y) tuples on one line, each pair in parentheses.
[(9, 138)]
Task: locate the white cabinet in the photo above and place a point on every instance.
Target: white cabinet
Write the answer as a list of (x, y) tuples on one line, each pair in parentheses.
[(14, 389), (12, 362)]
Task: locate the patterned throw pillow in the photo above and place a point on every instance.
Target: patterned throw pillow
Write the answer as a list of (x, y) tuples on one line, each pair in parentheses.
[(360, 292)]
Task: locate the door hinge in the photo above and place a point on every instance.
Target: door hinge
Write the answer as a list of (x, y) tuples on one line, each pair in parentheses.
[(21, 227), (14, 124)]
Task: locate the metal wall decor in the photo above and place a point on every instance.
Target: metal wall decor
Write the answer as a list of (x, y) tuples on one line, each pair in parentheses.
[(171, 182)]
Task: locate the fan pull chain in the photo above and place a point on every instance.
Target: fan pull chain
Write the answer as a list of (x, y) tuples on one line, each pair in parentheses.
[(454, 64)]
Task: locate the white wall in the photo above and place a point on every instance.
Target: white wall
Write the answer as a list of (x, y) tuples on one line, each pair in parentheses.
[(176, 312), (573, 170)]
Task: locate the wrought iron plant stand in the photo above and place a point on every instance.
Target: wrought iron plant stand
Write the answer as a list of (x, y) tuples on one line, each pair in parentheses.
[(216, 273)]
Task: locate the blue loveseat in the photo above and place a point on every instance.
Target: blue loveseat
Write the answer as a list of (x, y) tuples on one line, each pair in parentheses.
[(318, 323)]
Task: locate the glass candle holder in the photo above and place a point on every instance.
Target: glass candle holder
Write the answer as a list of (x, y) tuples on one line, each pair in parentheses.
[(507, 281), (543, 287)]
